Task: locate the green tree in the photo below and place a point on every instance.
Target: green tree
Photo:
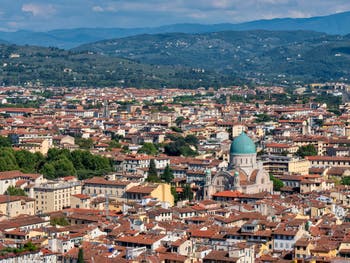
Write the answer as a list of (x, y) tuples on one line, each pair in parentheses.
[(78, 157), (8, 160), (148, 148), (192, 140), (345, 180), (39, 161), (52, 154), (85, 143), (187, 193), (175, 129), (262, 117), (61, 221), (172, 149), (48, 170), (114, 144), (125, 149), (5, 141), (64, 167), (27, 161), (186, 150), (277, 183), (58, 162), (179, 120), (174, 193), (180, 147), (262, 152), (80, 256), (167, 175), (319, 122), (11, 190), (55, 154), (306, 150), (29, 246), (152, 172)]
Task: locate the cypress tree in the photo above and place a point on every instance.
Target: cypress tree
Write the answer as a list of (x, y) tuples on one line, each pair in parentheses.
[(152, 172), (80, 256)]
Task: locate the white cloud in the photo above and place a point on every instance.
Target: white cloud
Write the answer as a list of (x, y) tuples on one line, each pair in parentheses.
[(97, 8), (42, 10), (197, 15), (221, 4), (298, 14), (108, 8), (48, 14)]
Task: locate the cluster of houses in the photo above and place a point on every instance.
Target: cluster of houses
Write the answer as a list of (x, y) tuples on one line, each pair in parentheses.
[(235, 212)]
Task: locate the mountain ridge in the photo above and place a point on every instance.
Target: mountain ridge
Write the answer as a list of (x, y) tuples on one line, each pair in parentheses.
[(304, 55), (184, 60), (36, 66), (69, 38)]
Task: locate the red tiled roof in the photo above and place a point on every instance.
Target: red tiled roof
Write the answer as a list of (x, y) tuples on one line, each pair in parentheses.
[(328, 158), (228, 194), (81, 196), (102, 181), (142, 189), (141, 239)]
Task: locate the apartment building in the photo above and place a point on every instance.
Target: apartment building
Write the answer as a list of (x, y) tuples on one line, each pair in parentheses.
[(11, 178), (329, 161), (16, 205), (279, 165), (54, 195), (100, 186), (284, 236), (134, 162)]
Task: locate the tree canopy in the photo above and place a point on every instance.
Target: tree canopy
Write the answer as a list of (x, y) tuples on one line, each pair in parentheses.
[(11, 190), (84, 143), (345, 180), (277, 183), (80, 256), (306, 150), (182, 146), (152, 172), (148, 148), (61, 221), (187, 193), (5, 141), (167, 175), (179, 120), (57, 163)]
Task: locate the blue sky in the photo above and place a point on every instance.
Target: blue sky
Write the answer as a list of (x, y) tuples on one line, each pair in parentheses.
[(41, 15)]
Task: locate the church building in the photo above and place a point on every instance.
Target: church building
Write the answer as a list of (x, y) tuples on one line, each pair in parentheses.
[(244, 173)]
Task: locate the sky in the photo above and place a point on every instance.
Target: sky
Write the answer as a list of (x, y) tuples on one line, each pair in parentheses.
[(43, 15)]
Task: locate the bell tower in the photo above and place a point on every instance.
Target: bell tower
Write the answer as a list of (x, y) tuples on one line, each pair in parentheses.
[(208, 185)]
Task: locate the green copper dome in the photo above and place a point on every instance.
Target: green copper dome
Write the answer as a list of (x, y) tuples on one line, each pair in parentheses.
[(242, 145)]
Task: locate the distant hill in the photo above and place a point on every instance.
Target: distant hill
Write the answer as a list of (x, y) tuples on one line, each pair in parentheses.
[(184, 60), (336, 24), (273, 56), (66, 38), (32, 65), (69, 38), (4, 42)]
